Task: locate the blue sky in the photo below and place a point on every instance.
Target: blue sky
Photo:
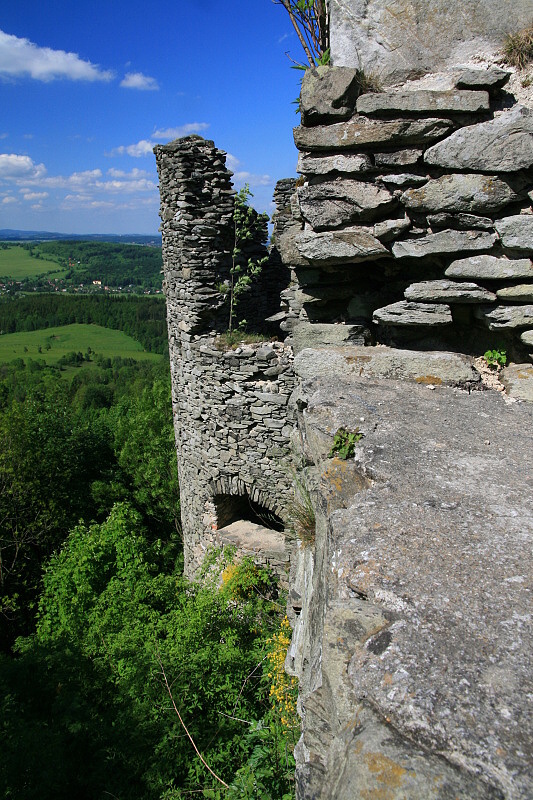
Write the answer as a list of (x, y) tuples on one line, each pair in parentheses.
[(87, 89)]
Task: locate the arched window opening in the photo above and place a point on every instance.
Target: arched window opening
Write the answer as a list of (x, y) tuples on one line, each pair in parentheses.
[(232, 508)]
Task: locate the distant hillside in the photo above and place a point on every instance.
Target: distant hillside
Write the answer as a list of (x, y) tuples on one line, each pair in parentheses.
[(10, 235)]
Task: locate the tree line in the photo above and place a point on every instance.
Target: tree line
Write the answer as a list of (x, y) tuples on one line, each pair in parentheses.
[(112, 263), (142, 318)]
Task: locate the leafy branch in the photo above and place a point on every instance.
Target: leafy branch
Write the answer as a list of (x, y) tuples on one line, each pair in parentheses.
[(248, 228), (310, 20)]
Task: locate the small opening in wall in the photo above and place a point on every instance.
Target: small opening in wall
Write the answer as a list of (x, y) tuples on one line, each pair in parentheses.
[(230, 508)]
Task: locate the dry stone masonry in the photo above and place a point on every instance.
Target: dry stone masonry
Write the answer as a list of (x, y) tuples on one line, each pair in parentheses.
[(231, 411), (413, 216)]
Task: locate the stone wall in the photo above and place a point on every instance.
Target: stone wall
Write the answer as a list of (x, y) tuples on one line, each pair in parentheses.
[(231, 412), (413, 218)]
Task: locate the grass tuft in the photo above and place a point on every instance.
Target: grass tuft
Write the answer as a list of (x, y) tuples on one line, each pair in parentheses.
[(518, 48)]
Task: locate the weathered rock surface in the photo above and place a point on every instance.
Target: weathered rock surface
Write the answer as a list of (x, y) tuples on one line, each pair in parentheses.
[(328, 94), (423, 102), (507, 317), (400, 158), (412, 649), (401, 39), (413, 314), (521, 293), (448, 292), (490, 268), (518, 380), (340, 162), (516, 232), (461, 221), (350, 362), (483, 78), (361, 132), (448, 241), (527, 337), (504, 144), (334, 203), (318, 336), (336, 247), (403, 179), (388, 229), (461, 193)]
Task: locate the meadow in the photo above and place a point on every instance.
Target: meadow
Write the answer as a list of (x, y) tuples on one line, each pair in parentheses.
[(51, 344), (17, 264)]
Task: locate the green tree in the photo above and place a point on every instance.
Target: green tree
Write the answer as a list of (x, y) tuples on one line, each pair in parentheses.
[(249, 231), (114, 611), (49, 456)]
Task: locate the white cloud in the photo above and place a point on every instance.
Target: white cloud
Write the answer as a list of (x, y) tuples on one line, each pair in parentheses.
[(240, 176), (33, 195), (22, 58), (142, 148), (181, 130), (145, 146), (134, 173), (15, 166), (136, 80), (7, 200)]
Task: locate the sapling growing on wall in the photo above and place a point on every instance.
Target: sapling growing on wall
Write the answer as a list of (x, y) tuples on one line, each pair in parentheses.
[(310, 19), (249, 227)]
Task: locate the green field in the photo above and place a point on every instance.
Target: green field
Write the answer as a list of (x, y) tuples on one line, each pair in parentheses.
[(51, 344), (16, 263)]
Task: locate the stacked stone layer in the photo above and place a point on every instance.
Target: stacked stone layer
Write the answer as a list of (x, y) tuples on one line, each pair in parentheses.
[(413, 217)]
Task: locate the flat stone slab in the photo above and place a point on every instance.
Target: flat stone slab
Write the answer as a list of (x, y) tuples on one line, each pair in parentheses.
[(462, 221), (518, 381), (461, 193), (527, 337), (507, 317), (490, 268), (516, 232), (423, 102), (410, 314), (250, 536), (349, 362), (361, 132), (389, 229), (403, 179), (319, 335), (424, 685), (483, 78), (335, 203), (350, 245), (504, 144), (448, 292), (447, 241), (521, 293), (401, 158), (340, 162)]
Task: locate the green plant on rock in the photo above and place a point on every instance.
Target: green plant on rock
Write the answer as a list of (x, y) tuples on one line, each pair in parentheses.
[(344, 442), (301, 514), (249, 227), (495, 358)]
